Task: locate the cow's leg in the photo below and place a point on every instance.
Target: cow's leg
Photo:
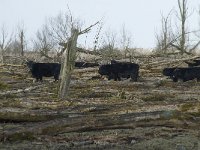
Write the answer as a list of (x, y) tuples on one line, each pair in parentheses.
[(40, 78), (174, 79), (110, 77), (56, 77), (37, 79), (115, 77), (134, 77), (184, 80), (118, 78)]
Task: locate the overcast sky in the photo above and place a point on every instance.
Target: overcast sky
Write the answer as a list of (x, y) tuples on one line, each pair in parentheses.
[(140, 17)]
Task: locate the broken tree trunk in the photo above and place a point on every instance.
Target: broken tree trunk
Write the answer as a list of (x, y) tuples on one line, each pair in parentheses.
[(68, 64), (1, 56)]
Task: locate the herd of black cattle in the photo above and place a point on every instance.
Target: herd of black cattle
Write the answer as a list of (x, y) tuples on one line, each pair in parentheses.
[(116, 70)]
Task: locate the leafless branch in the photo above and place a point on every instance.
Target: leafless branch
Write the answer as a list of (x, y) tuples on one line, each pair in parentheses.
[(88, 28)]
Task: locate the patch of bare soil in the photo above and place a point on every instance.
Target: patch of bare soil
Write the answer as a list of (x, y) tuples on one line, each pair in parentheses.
[(152, 114)]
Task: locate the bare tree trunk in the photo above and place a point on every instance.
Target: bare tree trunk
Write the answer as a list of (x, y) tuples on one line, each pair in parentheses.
[(5, 40), (22, 42), (165, 35), (183, 15), (68, 64)]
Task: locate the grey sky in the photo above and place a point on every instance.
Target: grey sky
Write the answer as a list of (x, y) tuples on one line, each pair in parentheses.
[(141, 17)]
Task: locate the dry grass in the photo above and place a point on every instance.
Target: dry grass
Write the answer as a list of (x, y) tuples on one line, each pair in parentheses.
[(4, 86), (126, 112)]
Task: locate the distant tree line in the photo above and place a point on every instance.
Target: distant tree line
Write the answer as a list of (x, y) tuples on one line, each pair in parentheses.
[(50, 38), (179, 40)]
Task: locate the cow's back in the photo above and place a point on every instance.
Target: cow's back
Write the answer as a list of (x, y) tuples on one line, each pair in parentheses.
[(124, 67)]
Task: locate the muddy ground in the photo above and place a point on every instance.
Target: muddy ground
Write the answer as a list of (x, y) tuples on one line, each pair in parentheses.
[(151, 114)]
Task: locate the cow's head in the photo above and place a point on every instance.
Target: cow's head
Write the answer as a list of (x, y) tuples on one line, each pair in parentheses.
[(168, 71), (30, 64)]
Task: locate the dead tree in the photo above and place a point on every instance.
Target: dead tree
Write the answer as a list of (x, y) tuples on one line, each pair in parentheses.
[(69, 60), (21, 40), (68, 64)]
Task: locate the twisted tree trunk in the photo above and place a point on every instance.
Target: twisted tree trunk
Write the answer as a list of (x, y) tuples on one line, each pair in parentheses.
[(68, 65)]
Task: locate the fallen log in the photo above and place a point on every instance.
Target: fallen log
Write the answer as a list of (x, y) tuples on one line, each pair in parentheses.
[(20, 90), (86, 123)]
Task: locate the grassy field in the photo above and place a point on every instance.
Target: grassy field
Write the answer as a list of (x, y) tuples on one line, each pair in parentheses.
[(153, 113)]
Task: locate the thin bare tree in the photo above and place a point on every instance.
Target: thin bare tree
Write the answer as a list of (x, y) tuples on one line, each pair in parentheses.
[(198, 32), (183, 43), (125, 42), (108, 48), (97, 36), (59, 29), (165, 35), (5, 41), (183, 15), (21, 38), (44, 42)]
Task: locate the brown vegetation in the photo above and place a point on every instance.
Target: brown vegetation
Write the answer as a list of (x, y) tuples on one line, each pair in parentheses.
[(153, 112)]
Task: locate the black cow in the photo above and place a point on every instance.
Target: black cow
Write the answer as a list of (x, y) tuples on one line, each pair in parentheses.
[(39, 70), (186, 74), (170, 73), (120, 70), (194, 63)]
